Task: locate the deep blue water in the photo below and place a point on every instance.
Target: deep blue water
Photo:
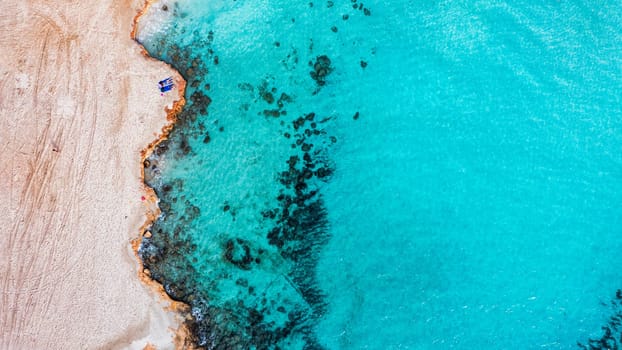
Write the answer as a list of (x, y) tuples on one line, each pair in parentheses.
[(417, 175)]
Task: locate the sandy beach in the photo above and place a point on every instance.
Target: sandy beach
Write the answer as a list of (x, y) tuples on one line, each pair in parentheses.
[(78, 103)]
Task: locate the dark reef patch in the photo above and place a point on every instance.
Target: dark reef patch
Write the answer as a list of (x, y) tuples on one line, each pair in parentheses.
[(612, 331), (321, 69), (238, 253)]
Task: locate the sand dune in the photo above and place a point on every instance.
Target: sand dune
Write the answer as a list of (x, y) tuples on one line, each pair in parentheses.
[(78, 102)]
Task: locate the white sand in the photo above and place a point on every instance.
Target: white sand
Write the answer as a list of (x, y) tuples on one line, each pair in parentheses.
[(78, 102)]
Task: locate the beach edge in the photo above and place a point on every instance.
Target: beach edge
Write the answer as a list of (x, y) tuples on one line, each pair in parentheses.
[(181, 335)]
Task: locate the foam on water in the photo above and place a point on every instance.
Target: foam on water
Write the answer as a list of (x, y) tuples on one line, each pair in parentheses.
[(470, 179)]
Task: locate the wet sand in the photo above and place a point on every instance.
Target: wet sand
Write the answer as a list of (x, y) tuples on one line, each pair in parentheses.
[(78, 104)]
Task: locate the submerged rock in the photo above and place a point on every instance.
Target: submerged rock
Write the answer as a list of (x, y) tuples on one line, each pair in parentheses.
[(321, 69)]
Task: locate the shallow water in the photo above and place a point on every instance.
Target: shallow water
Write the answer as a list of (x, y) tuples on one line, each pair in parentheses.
[(460, 188)]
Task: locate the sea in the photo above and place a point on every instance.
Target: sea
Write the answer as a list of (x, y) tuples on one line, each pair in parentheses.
[(400, 174)]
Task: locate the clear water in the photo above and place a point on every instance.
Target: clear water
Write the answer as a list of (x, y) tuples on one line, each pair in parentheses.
[(473, 203)]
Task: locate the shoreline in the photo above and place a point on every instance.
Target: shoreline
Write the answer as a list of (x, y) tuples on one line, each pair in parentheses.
[(182, 334)]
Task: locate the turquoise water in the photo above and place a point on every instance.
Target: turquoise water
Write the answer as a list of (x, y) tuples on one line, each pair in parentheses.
[(417, 175)]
